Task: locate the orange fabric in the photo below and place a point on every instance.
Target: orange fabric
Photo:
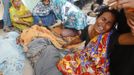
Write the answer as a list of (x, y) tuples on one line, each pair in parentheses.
[(37, 31)]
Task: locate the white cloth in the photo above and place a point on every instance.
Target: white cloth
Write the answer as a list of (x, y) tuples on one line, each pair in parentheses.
[(91, 20), (11, 55), (75, 0), (1, 10)]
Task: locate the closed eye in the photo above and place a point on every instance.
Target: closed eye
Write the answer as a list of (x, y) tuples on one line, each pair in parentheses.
[(103, 19)]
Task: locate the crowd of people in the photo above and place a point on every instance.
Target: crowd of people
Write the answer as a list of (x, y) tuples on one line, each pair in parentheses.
[(36, 45)]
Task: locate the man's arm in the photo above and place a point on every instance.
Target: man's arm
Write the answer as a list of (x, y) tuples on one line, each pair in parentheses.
[(126, 39)]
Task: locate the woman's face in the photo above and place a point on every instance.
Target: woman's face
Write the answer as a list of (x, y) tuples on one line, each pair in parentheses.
[(17, 3), (105, 22), (46, 1)]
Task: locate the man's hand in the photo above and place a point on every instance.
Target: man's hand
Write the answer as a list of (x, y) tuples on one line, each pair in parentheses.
[(128, 6), (126, 3), (130, 19), (121, 3)]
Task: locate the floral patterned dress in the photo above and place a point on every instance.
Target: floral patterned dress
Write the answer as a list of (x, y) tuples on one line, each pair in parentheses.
[(70, 15), (90, 61)]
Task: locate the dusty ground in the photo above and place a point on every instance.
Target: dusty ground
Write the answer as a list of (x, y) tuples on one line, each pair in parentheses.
[(1, 32)]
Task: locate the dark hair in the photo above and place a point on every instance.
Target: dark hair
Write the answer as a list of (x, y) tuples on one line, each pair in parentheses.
[(43, 1), (99, 2), (106, 9)]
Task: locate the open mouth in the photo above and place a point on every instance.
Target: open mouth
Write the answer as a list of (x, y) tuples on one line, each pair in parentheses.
[(100, 29)]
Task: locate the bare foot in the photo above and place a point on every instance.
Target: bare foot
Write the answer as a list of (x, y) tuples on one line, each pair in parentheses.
[(6, 29)]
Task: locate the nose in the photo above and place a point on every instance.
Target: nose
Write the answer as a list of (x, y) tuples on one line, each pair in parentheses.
[(103, 24)]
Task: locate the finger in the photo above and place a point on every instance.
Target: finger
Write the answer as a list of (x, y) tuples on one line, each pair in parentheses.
[(131, 23), (127, 5), (129, 14), (113, 4), (111, 1), (123, 2)]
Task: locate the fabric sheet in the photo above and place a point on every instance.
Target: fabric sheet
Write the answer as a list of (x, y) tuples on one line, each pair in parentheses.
[(11, 55)]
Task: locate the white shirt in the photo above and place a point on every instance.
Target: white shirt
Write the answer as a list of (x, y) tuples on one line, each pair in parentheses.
[(1, 10)]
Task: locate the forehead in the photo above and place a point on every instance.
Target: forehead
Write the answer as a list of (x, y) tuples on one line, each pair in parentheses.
[(107, 14)]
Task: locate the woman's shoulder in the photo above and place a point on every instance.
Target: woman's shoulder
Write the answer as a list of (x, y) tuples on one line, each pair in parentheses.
[(24, 8)]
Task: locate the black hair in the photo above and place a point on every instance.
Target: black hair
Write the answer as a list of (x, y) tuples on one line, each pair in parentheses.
[(106, 9), (43, 1), (99, 2)]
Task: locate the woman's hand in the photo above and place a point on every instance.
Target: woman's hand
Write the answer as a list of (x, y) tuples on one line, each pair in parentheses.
[(28, 14), (16, 17)]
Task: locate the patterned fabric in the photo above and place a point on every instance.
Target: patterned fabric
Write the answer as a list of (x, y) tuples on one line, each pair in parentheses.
[(90, 61), (41, 9), (16, 16), (44, 13), (11, 56), (37, 31), (71, 16), (71, 1)]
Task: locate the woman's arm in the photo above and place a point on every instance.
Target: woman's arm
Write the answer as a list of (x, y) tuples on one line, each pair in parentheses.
[(126, 39), (29, 14), (22, 22)]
